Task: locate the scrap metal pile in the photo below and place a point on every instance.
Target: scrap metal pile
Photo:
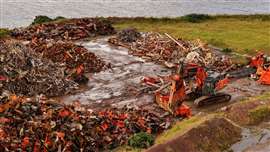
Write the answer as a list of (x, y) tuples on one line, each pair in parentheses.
[(165, 49), (128, 35), (24, 72), (73, 29), (74, 56), (45, 125), (54, 41)]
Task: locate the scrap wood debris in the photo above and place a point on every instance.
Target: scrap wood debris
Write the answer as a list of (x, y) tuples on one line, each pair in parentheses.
[(166, 50), (74, 56), (39, 124), (24, 72), (73, 29)]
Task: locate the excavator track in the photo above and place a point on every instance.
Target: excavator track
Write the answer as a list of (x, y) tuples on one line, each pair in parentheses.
[(208, 100)]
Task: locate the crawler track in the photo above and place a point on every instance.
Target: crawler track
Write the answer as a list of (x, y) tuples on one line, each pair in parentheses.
[(208, 100)]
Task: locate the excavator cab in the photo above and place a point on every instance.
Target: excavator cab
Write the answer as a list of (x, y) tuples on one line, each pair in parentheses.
[(207, 86)]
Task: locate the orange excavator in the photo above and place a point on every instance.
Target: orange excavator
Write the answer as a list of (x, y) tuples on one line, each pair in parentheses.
[(171, 96), (205, 87)]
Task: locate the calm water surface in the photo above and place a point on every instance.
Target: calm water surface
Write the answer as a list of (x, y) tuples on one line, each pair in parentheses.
[(16, 13)]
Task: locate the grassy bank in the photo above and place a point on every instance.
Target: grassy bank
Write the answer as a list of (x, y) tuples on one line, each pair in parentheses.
[(4, 32), (243, 33), (248, 112)]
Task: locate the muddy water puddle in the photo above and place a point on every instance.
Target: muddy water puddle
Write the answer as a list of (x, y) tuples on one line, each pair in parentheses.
[(254, 139), (119, 85)]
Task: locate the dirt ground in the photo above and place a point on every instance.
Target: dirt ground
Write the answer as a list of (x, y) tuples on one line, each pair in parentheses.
[(213, 135), (260, 148), (121, 84)]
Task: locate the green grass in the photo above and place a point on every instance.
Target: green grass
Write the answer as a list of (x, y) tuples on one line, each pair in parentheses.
[(45, 19), (262, 97), (181, 127), (4, 32), (244, 34), (259, 114), (126, 148), (141, 140)]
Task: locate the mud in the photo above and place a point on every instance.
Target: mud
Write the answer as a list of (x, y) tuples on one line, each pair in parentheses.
[(243, 88), (253, 139), (213, 135), (260, 148), (120, 85), (239, 113)]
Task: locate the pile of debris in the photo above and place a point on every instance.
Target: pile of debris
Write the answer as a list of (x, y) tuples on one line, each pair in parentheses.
[(165, 49), (73, 29), (54, 41), (72, 55), (24, 72), (45, 125), (128, 35)]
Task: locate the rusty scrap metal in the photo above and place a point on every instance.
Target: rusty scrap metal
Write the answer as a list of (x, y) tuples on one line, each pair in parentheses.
[(72, 29), (27, 73), (128, 35), (34, 124), (72, 55), (165, 49)]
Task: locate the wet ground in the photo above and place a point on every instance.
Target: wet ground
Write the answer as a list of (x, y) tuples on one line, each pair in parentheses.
[(239, 90), (15, 13), (121, 84), (254, 139)]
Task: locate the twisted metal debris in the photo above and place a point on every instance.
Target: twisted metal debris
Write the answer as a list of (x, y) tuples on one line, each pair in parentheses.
[(24, 72), (128, 35), (72, 55), (45, 125), (73, 29), (164, 49)]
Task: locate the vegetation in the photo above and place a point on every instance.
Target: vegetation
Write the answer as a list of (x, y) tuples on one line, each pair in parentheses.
[(242, 33), (141, 140), (196, 18), (227, 50), (59, 18), (41, 19), (4, 32), (259, 114), (45, 19), (181, 127), (262, 97)]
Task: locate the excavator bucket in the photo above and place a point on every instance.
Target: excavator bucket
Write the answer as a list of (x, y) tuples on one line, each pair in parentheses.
[(265, 77), (258, 60), (178, 110), (173, 102), (163, 102), (183, 111)]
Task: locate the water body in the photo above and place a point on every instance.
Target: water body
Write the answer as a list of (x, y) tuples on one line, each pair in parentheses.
[(16, 13)]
